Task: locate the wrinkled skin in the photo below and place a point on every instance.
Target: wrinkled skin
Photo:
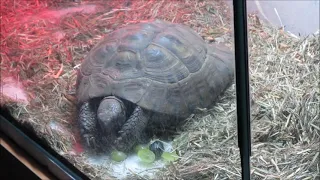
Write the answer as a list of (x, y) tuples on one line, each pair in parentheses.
[(120, 124)]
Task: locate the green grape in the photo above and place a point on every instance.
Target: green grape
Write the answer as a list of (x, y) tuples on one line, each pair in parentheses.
[(169, 156), (139, 147), (146, 155), (118, 156)]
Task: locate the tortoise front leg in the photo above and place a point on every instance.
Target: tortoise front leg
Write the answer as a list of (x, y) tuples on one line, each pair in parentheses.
[(133, 131), (88, 125)]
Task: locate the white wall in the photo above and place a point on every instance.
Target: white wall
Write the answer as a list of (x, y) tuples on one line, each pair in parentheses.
[(298, 16)]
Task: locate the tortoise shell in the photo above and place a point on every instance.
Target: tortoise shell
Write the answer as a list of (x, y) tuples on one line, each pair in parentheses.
[(160, 66)]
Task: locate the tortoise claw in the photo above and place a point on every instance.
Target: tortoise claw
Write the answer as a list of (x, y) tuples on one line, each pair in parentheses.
[(90, 141), (119, 139)]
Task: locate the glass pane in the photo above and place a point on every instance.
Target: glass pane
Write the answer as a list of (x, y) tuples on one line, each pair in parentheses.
[(107, 81), (284, 72), (110, 81)]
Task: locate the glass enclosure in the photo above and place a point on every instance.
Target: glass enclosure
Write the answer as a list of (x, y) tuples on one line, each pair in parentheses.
[(145, 89)]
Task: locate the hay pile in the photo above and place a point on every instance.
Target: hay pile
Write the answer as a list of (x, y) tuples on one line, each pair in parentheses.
[(42, 49)]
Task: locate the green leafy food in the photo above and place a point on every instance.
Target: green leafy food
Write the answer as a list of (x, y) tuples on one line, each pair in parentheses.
[(146, 155), (169, 156), (139, 147), (118, 156)]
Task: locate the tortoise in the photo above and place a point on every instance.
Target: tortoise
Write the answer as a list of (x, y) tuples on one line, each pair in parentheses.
[(153, 73)]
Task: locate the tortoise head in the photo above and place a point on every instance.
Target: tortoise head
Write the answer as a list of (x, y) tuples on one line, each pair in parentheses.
[(111, 115)]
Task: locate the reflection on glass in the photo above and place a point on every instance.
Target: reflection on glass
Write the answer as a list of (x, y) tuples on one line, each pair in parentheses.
[(122, 88)]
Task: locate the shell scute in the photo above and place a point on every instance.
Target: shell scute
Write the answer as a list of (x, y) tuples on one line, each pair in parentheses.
[(160, 66)]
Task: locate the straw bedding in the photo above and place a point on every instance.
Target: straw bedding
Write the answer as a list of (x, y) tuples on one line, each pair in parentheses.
[(42, 48)]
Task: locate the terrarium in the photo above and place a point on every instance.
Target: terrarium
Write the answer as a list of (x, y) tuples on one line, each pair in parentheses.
[(145, 89)]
